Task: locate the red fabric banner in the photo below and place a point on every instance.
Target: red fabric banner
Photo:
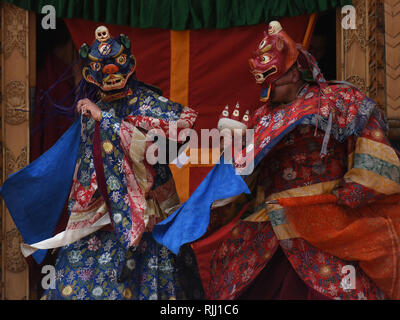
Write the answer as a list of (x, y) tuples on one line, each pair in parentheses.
[(218, 67), (218, 70)]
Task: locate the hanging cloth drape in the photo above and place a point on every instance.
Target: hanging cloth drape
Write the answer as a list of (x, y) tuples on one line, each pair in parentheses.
[(181, 14)]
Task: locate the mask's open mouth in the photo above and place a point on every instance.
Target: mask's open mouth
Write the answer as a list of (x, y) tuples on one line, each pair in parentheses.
[(113, 82), (269, 72), (261, 77)]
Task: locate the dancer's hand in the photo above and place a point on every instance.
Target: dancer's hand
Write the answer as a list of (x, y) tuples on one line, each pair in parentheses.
[(89, 109)]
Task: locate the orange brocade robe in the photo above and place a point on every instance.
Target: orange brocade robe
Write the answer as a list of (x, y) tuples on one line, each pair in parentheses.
[(324, 212), (354, 216)]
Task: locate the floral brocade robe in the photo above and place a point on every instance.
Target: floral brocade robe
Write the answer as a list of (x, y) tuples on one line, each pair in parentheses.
[(296, 163), (324, 241), (116, 198)]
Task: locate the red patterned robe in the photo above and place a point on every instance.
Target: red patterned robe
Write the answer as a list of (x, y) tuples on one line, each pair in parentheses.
[(281, 248)]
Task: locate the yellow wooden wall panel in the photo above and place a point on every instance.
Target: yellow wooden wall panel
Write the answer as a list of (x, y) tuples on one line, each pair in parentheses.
[(392, 43), (360, 51), (15, 137)]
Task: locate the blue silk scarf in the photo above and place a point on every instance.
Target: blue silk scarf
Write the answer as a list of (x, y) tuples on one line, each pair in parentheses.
[(36, 195)]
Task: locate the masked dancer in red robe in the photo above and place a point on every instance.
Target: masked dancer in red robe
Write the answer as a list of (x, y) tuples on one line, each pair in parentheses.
[(323, 221)]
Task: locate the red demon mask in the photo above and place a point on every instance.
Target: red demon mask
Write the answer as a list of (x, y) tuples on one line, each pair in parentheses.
[(275, 55)]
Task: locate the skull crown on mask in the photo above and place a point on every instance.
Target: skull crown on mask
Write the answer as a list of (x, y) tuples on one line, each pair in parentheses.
[(109, 62), (274, 56)]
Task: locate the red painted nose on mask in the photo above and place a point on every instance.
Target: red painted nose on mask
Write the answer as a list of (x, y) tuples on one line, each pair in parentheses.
[(110, 69)]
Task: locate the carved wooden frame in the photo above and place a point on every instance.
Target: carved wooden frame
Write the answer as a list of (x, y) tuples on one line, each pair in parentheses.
[(369, 56), (392, 59), (360, 52), (17, 73)]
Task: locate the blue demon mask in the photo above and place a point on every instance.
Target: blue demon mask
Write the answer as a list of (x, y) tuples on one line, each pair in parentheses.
[(108, 62)]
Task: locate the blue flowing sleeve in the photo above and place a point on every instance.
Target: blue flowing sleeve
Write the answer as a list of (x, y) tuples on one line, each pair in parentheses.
[(191, 220), (36, 195)]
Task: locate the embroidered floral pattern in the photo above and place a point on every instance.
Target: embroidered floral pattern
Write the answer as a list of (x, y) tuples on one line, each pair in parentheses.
[(300, 163), (239, 259), (294, 160), (323, 272), (100, 280), (352, 111), (103, 265)]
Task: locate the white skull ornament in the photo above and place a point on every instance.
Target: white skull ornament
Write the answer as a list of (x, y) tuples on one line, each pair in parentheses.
[(102, 34)]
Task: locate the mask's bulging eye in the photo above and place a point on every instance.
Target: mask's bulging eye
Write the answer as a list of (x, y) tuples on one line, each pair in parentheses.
[(121, 59), (262, 44), (265, 59), (95, 66)]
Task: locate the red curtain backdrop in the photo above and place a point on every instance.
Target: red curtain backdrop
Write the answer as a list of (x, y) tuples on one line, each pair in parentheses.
[(218, 69)]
